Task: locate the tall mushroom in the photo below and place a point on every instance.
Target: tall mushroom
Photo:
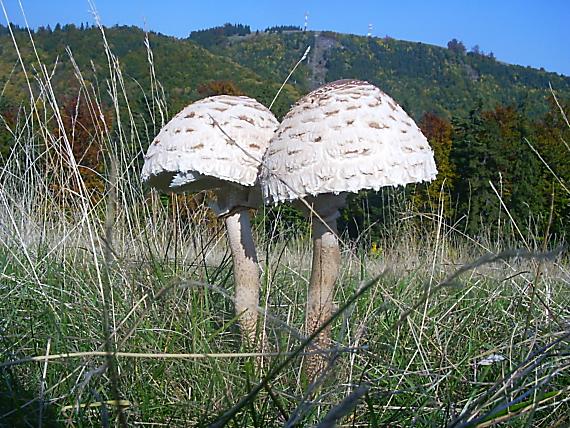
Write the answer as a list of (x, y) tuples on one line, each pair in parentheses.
[(217, 144), (343, 137)]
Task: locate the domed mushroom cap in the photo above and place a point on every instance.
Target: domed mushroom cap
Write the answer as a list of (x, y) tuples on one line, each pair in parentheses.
[(343, 137), (192, 153)]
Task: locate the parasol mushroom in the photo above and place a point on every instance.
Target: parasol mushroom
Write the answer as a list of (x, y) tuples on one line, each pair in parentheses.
[(343, 137), (217, 144)]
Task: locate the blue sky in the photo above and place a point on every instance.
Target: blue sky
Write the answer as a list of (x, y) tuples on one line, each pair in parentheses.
[(526, 32)]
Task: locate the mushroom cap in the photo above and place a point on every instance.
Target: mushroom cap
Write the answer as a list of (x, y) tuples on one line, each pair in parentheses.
[(209, 143), (345, 136)]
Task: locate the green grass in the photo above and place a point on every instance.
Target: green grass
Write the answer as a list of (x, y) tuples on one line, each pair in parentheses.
[(420, 370), (413, 353)]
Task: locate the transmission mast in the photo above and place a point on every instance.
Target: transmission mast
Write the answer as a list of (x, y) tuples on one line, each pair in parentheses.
[(306, 21)]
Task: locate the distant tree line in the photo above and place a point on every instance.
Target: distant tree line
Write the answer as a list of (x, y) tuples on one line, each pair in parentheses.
[(46, 29), (215, 35), (282, 28)]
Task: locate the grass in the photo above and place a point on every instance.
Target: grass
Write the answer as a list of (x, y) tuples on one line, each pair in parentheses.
[(73, 260), (421, 369)]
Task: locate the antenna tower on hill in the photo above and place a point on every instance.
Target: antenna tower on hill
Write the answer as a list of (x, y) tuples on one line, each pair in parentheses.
[(306, 21), (369, 30)]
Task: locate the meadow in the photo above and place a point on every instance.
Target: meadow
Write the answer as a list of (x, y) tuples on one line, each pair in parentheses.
[(116, 309)]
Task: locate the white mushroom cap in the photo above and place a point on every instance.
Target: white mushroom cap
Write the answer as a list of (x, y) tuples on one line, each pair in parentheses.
[(209, 143), (343, 137)]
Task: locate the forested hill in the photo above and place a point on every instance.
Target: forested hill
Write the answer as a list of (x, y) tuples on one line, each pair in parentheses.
[(185, 70), (423, 78)]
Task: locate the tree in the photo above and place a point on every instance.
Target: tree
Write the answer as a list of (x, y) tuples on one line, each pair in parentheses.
[(456, 46), (495, 169), (522, 185), (471, 155), (8, 120), (551, 139), (218, 87), (438, 132), (85, 131)]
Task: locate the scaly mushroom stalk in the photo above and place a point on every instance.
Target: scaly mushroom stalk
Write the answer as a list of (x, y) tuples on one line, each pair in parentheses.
[(232, 204), (246, 271), (324, 273)]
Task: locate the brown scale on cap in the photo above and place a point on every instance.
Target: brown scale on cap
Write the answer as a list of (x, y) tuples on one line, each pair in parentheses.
[(227, 102), (247, 119)]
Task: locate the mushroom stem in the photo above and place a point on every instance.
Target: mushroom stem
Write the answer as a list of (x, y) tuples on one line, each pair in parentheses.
[(246, 272), (324, 273), (326, 263)]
